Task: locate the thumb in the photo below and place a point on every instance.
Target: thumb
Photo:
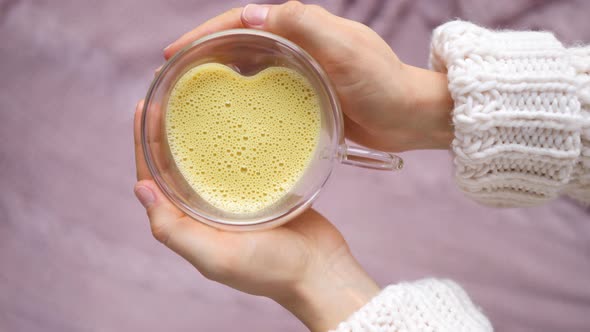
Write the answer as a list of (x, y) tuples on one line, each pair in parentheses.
[(307, 25), (162, 213), (196, 242)]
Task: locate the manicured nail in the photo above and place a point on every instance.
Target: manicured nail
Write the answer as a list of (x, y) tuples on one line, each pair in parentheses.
[(255, 15), (145, 196)]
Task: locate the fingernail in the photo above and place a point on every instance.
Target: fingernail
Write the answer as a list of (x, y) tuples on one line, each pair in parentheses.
[(145, 196), (166, 48), (157, 71), (255, 15)]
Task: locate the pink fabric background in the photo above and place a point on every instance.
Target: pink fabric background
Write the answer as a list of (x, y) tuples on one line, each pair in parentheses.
[(75, 249)]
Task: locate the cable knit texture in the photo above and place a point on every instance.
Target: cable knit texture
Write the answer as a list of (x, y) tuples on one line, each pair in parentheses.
[(426, 305), (521, 116)]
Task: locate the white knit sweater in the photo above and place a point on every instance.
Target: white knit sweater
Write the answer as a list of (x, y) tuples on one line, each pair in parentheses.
[(427, 305), (521, 117), (522, 137)]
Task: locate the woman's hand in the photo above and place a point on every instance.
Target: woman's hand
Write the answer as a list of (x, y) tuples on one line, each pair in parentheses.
[(305, 266), (388, 105)]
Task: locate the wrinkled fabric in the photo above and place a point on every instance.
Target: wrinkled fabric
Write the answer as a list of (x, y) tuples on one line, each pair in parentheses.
[(75, 248)]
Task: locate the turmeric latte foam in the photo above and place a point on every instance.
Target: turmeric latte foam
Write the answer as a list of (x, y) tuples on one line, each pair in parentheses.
[(242, 142)]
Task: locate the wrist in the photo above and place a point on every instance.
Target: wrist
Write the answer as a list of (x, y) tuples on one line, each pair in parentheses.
[(330, 293), (430, 107)]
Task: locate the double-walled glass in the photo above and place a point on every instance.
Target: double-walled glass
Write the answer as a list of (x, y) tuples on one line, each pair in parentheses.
[(248, 52)]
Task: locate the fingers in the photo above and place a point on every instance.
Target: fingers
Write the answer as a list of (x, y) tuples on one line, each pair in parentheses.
[(307, 25), (194, 241), (161, 212), (169, 225), (228, 20), (142, 171), (156, 140)]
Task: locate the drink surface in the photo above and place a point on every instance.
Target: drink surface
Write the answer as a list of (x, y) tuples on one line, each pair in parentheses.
[(242, 142)]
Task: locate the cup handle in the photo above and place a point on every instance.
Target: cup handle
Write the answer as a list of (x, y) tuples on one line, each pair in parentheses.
[(367, 158)]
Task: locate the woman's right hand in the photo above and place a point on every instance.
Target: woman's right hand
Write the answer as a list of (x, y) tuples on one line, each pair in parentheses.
[(387, 105)]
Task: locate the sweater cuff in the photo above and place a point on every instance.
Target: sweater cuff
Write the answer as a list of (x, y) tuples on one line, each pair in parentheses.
[(424, 305), (518, 116)]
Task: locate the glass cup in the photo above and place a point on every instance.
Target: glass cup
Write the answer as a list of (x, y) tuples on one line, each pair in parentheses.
[(247, 52)]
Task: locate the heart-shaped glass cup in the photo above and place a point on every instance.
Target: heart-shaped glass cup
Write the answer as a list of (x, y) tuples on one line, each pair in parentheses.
[(248, 52)]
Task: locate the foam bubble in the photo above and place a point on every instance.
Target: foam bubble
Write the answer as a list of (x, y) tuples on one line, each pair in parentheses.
[(242, 150)]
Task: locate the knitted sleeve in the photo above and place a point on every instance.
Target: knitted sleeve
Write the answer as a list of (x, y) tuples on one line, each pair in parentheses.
[(521, 114), (425, 305)]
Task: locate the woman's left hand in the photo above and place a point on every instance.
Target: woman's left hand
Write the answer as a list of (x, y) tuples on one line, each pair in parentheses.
[(305, 265)]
